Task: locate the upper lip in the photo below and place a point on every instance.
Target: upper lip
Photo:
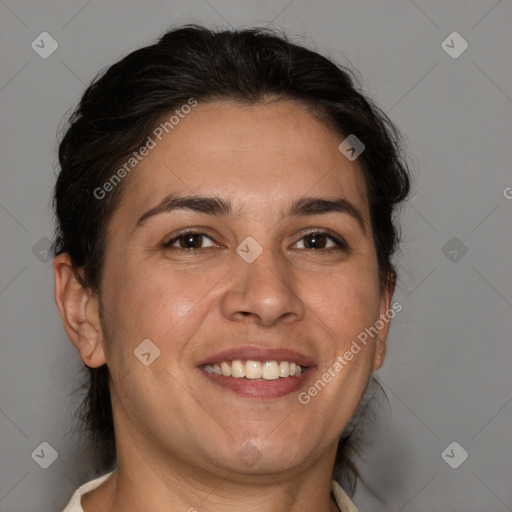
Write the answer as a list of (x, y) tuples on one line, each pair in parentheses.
[(254, 353)]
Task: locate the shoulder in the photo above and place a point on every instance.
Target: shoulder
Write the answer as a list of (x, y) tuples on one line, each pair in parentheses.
[(75, 503)]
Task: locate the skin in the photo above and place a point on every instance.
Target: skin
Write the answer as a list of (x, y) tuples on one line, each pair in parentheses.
[(178, 435)]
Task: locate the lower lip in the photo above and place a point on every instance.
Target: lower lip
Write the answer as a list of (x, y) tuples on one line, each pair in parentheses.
[(259, 388)]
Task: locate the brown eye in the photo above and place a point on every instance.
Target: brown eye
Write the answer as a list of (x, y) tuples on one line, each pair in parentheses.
[(190, 241), (315, 241), (319, 240)]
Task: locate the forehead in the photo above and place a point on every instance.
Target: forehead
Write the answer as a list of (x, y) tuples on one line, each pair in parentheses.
[(257, 156)]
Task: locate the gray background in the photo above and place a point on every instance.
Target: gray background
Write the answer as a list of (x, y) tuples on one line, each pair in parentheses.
[(448, 371)]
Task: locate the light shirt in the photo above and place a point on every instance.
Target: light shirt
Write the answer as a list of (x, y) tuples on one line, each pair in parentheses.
[(340, 496)]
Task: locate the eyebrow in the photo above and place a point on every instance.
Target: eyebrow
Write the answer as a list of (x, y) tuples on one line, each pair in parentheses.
[(200, 204), (218, 206), (316, 205)]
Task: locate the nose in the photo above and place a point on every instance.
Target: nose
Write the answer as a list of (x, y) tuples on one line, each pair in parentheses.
[(262, 293)]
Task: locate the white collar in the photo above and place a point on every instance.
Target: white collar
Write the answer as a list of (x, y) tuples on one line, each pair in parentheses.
[(340, 496)]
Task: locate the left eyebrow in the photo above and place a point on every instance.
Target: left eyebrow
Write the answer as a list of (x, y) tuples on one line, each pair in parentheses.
[(317, 205), (218, 206)]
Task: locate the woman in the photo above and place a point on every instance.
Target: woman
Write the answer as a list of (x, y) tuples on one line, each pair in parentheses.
[(223, 267)]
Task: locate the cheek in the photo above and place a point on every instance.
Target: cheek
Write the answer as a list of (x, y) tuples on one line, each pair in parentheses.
[(151, 302), (345, 301)]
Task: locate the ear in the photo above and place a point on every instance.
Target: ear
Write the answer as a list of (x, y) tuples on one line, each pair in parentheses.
[(79, 311), (387, 312)]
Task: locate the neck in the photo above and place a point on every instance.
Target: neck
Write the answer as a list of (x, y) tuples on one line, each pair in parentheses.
[(146, 481)]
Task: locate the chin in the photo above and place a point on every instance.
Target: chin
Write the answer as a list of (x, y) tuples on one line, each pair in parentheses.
[(261, 457)]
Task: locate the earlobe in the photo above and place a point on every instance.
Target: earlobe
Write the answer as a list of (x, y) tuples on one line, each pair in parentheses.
[(383, 324), (380, 354), (79, 311)]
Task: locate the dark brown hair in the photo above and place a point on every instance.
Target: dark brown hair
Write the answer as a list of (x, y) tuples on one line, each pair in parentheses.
[(122, 106)]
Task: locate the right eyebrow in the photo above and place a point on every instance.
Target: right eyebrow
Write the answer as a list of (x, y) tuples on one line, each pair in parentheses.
[(201, 204)]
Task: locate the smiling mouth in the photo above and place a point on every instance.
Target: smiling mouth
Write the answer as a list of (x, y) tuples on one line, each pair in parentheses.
[(257, 379), (255, 370), (258, 372)]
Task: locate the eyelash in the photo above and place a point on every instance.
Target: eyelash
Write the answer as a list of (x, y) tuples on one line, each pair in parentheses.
[(341, 244)]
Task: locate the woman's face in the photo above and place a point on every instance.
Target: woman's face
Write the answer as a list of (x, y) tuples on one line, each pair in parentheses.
[(285, 270)]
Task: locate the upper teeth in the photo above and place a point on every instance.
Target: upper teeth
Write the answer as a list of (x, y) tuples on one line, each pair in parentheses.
[(269, 370)]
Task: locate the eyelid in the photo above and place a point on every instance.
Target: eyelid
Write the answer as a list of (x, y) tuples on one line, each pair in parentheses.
[(169, 241), (337, 239)]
